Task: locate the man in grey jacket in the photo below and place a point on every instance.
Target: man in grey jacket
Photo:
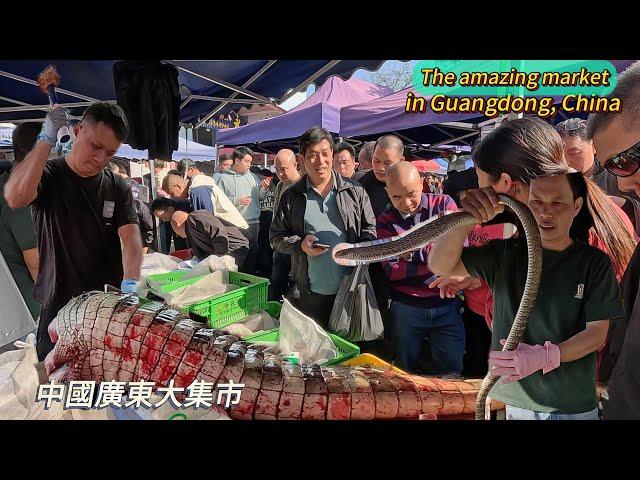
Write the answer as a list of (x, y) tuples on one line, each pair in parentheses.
[(325, 209), (242, 187)]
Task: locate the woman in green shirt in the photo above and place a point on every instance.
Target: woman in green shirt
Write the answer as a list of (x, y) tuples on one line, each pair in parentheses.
[(551, 375)]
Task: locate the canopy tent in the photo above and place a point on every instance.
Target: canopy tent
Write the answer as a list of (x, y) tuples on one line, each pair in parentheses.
[(429, 166), (208, 87), (367, 121), (6, 134), (320, 109), (186, 149)]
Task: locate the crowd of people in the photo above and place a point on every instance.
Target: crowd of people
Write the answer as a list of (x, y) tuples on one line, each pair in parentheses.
[(447, 308)]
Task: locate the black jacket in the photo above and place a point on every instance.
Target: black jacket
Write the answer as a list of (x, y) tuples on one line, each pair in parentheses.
[(624, 384), (378, 195), (148, 93), (287, 228)]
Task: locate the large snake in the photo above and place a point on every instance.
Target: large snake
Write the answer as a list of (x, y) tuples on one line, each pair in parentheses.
[(429, 231)]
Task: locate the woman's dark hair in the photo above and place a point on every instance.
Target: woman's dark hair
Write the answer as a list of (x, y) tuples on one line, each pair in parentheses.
[(525, 149), (312, 136), (24, 138), (598, 213)]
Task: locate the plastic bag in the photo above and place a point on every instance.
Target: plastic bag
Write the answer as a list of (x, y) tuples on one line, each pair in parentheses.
[(355, 315), (212, 264), (153, 263), (19, 386), (207, 287), (299, 333)]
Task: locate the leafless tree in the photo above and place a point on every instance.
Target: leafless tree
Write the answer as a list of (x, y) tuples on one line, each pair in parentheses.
[(396, 78)]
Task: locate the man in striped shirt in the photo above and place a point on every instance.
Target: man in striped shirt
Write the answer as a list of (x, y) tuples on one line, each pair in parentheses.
[(417, 310)]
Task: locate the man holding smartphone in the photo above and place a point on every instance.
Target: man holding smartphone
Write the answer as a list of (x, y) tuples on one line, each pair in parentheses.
[(315, 214)]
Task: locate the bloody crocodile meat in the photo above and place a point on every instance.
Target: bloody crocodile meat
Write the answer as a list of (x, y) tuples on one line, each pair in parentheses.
[(104, 337)]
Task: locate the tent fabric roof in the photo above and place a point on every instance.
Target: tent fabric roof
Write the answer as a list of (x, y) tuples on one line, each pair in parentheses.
[(387, 114), (186, 149), (321, 109), (93, 80)]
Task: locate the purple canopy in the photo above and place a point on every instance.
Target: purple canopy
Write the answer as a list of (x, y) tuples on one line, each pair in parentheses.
[(320, 109), (387, 114)]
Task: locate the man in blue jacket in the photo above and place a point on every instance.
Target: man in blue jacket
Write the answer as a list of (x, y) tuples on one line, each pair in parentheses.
[(242, 187)]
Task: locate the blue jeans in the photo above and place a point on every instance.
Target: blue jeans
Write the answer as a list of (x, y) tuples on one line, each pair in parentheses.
[(517, 413), (444, 327)]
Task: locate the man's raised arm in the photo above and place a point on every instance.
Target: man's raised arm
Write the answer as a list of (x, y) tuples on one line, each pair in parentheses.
[(22, 187)]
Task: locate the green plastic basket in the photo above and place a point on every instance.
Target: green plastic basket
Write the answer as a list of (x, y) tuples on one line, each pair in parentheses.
[(346, 350), (222, 310)]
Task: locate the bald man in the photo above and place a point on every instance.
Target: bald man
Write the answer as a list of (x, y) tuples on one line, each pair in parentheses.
[(365, 156), (176, 186), (286, 165), (418, 311), (210, 235)]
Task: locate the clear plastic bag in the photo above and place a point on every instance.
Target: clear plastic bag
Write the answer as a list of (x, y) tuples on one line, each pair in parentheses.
[(209, 286), (301, 334), (19, 386)]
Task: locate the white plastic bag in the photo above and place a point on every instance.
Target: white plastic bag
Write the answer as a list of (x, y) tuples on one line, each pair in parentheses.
[(207, 287), (212, 264), (299, 333), (153, 263), (19, 386), (253, 323)]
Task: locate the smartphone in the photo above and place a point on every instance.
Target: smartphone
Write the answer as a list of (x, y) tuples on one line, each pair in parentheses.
[(320, 245)]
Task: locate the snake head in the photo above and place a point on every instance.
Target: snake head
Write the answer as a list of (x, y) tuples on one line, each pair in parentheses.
[(341, 260)]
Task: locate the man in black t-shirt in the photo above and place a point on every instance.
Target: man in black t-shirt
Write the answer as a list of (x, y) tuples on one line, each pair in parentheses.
[(82, 212)]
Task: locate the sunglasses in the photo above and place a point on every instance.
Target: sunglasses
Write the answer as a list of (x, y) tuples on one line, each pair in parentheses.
[(624, 164)]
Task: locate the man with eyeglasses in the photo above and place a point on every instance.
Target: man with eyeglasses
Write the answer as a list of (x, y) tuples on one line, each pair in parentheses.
[(616, 138), (581, 155)]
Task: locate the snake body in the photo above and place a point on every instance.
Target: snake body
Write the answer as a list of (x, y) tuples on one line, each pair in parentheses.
[(427, 232)]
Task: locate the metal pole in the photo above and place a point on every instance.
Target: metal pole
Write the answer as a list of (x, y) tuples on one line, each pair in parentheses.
[(18, 78), (156, 225), (265, 160)]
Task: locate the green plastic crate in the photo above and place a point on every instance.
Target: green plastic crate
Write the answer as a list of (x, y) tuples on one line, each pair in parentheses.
[(225, 309), (168, 278), (346, 350)]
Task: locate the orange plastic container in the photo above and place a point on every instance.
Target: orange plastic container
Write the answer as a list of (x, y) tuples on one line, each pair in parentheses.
[(366, 359)]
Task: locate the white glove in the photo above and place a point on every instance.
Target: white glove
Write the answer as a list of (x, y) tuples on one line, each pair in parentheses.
[(54, 121)]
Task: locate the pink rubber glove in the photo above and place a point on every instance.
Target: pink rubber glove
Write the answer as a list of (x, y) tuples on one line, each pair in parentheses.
[(523, 361)]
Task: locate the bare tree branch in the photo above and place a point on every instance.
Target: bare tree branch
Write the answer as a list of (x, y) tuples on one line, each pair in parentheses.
[(395, 78)]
